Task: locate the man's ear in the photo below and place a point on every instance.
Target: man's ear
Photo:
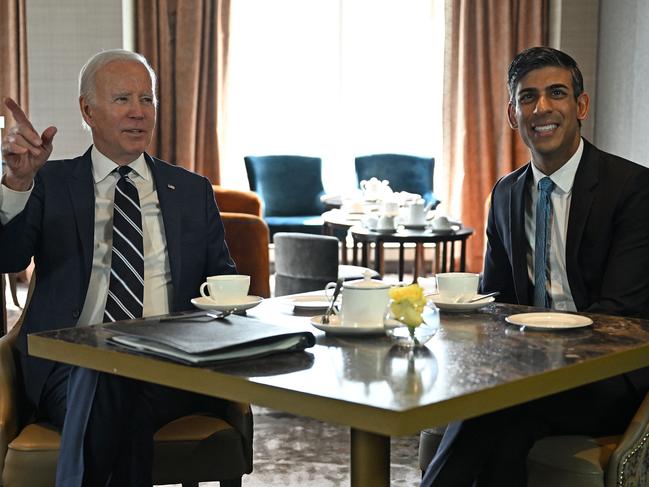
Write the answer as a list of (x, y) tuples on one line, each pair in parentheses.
[(86, 111), (583, 106), (511, 116)]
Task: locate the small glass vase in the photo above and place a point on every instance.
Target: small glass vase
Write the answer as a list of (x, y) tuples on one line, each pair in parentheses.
[(415, 337)]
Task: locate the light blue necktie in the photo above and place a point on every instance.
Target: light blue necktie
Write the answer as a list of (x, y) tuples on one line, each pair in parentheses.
[(542, 234)]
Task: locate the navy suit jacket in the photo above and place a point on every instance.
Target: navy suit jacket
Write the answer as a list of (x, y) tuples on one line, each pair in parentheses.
[(57, 229), (607, 244)]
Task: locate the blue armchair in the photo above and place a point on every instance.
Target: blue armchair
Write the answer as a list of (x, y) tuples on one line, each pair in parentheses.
[(290, 188), (405, 173)]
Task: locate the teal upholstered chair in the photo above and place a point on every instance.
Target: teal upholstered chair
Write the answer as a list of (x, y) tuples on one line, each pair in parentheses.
[(405, 173), (290, 188)]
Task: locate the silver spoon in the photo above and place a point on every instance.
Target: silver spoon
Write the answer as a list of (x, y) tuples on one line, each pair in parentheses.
[(479, 298)]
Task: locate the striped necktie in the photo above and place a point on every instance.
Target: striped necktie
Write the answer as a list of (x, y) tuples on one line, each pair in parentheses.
[(126, 286), (542, 239)]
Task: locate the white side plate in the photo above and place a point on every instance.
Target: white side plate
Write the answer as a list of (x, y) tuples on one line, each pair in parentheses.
[(313, 302), (336, 328), (549, 321)]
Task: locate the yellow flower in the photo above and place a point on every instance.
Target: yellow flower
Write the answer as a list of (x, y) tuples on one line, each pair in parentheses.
[(407, 304), (413, 293)]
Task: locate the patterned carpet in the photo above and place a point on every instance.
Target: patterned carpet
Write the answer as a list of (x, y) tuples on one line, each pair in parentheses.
[(296, 451)]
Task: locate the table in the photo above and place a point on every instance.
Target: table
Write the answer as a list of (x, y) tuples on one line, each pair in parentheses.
[(474, 365), (444, 239), (342, 221)]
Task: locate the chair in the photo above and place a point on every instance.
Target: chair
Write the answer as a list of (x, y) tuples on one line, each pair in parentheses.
[(290, 188), (405, 173), (578, 461), (188, 450), (246, 235), (305, 262)]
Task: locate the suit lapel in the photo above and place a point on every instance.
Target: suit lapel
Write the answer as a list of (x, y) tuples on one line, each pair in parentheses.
[(518, 243), (583, 192), (169, 200), (81, 188)]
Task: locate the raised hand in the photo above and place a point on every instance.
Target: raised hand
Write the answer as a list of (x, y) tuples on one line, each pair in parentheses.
[(23, 149)]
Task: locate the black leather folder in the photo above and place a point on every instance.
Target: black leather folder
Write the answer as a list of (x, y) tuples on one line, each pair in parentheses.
[(194, 340)]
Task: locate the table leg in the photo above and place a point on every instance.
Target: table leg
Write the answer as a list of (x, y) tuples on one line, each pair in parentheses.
[(355, 252), (463, 256), (402, 250), (452, 244), (378, 245), (444, 254), (370, 459)]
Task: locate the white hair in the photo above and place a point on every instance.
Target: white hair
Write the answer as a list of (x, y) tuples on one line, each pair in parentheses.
[(88, 73)]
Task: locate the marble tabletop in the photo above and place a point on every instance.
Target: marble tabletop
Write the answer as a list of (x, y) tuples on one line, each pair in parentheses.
[(476, 363)]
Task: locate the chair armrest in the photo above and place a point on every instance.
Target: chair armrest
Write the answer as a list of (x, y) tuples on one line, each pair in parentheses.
[(237, 201), (628, 463), (9, 419), (247, 238), (239, 415)]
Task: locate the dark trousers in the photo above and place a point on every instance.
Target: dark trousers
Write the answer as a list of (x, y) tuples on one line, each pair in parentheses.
[(491, 450), (108, 423)]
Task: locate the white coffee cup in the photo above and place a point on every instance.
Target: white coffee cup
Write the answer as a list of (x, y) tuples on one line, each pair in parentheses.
[(453, 285), (441, 223), (386, 222), (227, 288), (364, 302)]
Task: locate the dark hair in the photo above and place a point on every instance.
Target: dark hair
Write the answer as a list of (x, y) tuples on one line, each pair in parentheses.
[(541, 57)]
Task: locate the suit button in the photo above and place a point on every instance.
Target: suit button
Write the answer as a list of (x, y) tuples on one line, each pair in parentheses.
[(76, 313)]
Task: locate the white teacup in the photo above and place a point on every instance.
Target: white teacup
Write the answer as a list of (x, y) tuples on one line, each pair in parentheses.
[(386, 222), (441, 223), (454, 285), (226, 289), (364, 302)]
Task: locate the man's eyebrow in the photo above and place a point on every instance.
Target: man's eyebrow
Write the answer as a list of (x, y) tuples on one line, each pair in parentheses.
[(557, 85), (528, 90)]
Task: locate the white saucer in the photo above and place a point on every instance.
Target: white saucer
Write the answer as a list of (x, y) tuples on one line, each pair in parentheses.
[(382, 230), (211, 305), (309, 302), (336, 328), (549, 321), (447, 304)]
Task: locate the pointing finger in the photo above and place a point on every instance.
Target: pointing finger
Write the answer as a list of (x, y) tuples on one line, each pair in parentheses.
[(22, 120)]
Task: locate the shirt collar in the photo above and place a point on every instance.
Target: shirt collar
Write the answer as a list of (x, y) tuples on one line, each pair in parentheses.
[(564, 177), (102, 166)]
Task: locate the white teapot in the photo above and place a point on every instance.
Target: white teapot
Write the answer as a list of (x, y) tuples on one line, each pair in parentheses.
[(364, 302), (374, 189)]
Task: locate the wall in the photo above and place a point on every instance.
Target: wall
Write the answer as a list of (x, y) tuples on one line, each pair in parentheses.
[(62, 35), (574, 30), (622, 121)]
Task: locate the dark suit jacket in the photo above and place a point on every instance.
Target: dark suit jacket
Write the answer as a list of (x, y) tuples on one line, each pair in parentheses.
[(57, 228), (607, 244)]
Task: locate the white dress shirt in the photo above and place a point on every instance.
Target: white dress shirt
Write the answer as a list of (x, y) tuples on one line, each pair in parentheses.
[(157, 274), (563, 179)]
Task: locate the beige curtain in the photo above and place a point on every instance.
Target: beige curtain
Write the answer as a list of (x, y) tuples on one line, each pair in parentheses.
[(13, 83), (482, 38), (186, 43), (13, 55)]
